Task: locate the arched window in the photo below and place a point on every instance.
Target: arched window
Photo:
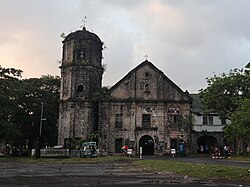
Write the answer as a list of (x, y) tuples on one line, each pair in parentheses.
[(146, 88), (80, 88)]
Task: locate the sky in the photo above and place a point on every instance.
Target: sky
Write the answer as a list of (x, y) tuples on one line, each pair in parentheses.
[(189, 40)]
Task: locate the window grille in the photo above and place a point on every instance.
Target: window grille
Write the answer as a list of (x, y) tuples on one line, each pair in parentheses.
[(118, 121), (174, 120), (208, 120), (146, 120)]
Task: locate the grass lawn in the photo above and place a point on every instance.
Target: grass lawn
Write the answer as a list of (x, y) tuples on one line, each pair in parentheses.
[(202, 171), (241, 158)]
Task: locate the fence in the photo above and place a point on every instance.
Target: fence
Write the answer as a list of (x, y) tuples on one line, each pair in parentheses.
[(55, 152), (75, 153), (52, 152)]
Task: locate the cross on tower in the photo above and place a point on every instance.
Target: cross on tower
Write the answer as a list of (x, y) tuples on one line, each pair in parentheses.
[(84, 22), (146, 56)]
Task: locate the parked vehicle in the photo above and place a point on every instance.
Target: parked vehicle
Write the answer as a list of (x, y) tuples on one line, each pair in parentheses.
[(89, 153), (89, 150), (88, 144)]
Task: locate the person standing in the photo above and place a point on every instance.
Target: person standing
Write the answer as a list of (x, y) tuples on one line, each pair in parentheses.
[(225, 150), (182, 149)]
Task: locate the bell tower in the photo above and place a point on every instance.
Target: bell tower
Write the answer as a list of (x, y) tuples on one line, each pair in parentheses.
[(81, 77)]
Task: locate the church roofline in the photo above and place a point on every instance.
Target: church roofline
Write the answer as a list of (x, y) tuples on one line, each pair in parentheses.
[(144, 63)]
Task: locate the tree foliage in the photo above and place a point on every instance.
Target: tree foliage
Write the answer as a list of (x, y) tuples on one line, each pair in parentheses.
[(228, 95), (35, 91), (20, 108), (9, 79), (224, 92), (239, 130), (248, 65)]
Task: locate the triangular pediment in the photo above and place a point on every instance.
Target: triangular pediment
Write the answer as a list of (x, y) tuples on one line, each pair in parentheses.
[(147, 82)]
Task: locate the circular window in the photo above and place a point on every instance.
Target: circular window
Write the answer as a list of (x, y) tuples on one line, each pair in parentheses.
[(80, 88)]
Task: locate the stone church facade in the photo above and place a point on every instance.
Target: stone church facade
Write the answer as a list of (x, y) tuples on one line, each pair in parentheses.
[(144, 109)]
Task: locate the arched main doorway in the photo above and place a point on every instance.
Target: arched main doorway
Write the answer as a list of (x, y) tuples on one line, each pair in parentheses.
[(147, 144), (206, 141)]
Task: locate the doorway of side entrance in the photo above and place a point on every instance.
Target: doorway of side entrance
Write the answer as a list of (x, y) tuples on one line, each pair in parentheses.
[(147, 144), (206, 143)]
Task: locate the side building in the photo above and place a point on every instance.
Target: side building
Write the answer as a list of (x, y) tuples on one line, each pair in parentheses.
[(208, 128)]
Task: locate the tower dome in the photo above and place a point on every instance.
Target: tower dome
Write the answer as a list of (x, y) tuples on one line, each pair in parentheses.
[(82, 47), (82, 35)]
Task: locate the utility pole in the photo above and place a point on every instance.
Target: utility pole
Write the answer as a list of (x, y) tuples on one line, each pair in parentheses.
[(39, 135), (41, 120)]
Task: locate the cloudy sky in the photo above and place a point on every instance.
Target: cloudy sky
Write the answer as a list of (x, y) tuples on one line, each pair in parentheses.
[(188, 40)]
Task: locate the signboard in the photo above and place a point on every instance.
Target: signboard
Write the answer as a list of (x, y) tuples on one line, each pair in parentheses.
[(129, 151), (173, 151)]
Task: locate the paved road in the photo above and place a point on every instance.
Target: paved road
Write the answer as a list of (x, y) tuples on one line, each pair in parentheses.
[(221, 161), (23, 174), (110, 174)]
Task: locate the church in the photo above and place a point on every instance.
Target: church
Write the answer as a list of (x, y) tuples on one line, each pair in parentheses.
[(143, 109)]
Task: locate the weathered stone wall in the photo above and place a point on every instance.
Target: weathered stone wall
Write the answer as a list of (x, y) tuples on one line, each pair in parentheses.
[(81, 77), (146, 82), (103, 143), (161, 130), (74, 120), (146, 90)]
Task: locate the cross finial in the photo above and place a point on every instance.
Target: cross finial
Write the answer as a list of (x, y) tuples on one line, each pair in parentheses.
[(84, 22), (146, 56)]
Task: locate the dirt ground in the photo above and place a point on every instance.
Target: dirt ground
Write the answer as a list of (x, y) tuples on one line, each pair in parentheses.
[(108, 174)]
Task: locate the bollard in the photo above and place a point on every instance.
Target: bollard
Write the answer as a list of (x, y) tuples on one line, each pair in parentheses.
[(140, 152)]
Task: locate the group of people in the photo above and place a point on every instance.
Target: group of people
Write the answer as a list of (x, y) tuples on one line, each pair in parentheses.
[(221, 152), (217, 152), (203, 149)]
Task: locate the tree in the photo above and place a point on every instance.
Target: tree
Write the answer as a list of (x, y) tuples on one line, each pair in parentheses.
[(227, 95), (9, 79), (20, 108), (224, 92), (32, 93), (239, 130), (248, 65)]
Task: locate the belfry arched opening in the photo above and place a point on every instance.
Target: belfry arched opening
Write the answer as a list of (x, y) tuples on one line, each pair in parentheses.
[(147, 144)]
